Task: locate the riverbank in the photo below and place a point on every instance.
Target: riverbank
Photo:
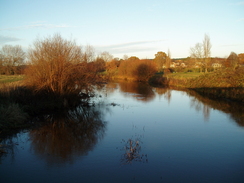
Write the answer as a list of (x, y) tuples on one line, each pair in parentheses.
[(223, 84), (20, 104)]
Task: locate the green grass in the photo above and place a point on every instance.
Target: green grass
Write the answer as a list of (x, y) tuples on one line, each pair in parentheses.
[(10, 78), (185, 75)]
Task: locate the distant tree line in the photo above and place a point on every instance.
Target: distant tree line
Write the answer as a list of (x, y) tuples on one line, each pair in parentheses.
[(13, 60)]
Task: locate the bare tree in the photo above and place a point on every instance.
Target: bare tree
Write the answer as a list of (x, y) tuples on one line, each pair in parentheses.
[(11, 58), (206, 51), (106, 56), (168, 60), (201, 52), (57, 65), (196, 52), (89, 54)]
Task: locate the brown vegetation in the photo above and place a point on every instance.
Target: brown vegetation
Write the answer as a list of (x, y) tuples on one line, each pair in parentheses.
[(139, 70), (162, 60), (59, 66)]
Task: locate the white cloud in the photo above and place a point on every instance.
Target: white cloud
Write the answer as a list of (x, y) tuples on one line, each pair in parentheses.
[(131, 47), (6, 39), (130, 44)]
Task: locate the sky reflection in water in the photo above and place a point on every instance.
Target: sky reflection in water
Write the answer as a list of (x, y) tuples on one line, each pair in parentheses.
[(179, 136)]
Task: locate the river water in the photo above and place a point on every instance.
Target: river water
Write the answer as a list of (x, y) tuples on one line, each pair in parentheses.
[(134, 133)]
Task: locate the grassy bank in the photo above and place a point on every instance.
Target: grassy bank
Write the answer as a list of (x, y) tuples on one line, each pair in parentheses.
[(10, 78), (185, 75), (225, 83)]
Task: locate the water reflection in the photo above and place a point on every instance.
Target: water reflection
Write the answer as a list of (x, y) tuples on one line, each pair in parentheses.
[(165, 92), (138, 91), (234, 109), (144, 92), (68, 135), (7, 147)]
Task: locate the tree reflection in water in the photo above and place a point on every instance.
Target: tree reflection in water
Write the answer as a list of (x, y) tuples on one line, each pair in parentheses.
[(234, 109), (137, 90), (165, 92), (68, 135)]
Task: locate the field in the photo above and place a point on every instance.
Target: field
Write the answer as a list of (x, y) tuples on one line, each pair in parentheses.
[(185, 75), (10, 78)]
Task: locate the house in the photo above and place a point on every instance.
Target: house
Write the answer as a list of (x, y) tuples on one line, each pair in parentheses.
[(216, 65), (182, 65)]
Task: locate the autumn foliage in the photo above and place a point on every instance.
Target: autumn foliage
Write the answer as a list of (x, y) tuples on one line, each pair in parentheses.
[(58, 66), (134, 68)]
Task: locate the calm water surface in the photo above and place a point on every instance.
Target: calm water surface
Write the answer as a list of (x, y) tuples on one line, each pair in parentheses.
[(135, 134)]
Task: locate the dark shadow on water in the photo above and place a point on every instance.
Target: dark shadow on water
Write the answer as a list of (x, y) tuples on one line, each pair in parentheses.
[(139, 91), (202, 102), (67, 135)]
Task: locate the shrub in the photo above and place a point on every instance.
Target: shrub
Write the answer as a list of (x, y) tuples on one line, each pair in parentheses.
[(58, 66), (140, 70)]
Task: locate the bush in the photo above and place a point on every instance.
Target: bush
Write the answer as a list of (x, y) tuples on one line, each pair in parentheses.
[(59, 66), (140, 70)]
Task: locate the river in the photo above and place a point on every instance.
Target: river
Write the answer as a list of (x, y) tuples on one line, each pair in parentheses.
[(134, 133)]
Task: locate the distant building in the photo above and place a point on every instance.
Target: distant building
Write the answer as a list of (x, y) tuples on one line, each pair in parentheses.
[(198, 65), (173, 65), (216, 65), (183, 65)]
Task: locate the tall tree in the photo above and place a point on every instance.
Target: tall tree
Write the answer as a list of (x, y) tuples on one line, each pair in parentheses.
[(106, 56), (11, 58), (168, 60), (196, 53), (241, 58), (201, 52), (88, 54), (160, 60), (232, 61), (206, 51)]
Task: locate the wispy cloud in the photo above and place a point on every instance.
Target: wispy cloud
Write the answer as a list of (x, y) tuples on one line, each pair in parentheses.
[(37, 25), (6, 39), (130, 44), (130, 47)]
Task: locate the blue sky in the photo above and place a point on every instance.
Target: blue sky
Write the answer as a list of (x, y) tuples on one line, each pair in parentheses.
[(127, 27)]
